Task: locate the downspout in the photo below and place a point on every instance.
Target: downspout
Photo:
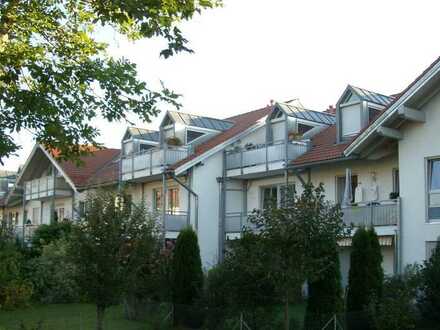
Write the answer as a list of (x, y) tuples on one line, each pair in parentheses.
[(164, 201), (24, 214), (196, 198)]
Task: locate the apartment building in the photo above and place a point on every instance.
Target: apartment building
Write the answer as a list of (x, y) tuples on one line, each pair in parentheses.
[(376, 155)]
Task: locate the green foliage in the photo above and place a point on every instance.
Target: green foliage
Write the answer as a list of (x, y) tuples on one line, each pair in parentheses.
[(186, 275), (15, 292), (325, 294), (104, 248), (365, 279), (56, 78), (396, 310), (429, 297), (296, 238), (53, 275), (46, 234)]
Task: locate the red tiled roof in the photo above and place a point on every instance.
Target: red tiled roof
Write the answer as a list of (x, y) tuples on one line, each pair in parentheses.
[(107, 175), (91, 165), (324, 147), (241, 123)]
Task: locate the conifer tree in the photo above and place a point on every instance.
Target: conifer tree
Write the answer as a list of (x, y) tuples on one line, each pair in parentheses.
[(187, 274), (325, 294)]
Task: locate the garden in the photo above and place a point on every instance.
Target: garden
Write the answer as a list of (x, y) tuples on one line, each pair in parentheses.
[(114, 269)]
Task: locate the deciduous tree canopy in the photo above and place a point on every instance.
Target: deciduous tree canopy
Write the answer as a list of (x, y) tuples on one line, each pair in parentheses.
[(56, 78)]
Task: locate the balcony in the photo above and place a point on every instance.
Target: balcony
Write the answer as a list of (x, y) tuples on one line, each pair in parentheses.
[(383, 213), (45, 187), (380, 214), (176, 220), (150, 162), (263, 158)]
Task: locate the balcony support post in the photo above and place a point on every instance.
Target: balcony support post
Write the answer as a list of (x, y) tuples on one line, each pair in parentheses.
[(132, 166), (24, 218), (267, 158), (244, 205), (151, 161), (241, 162), (52, 204), (164, 201)]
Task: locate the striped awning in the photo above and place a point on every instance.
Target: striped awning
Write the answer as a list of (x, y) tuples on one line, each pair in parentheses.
[(383, 241)]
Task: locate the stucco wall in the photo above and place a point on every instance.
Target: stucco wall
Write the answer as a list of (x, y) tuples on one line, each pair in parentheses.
[(420, 140)]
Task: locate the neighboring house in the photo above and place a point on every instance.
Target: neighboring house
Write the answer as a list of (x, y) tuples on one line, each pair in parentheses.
[(47, 189), (376, 155)]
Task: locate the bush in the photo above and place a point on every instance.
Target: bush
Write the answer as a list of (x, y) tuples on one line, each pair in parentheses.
[(14, 290), (46, 234), (396, 310), (429, 298), (53, 275), (186, 274)]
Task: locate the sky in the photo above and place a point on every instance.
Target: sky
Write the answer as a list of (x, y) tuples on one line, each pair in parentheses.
[(250, 52)]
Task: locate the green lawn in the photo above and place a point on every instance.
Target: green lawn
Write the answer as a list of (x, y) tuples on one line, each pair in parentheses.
[(67, 317)]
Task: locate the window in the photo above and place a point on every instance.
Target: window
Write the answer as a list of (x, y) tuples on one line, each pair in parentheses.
[(302, 128), (396, 185), (351, 120), (82, 208), (192, 135), (144, 147), (372, 114), (340, 188), (157, 199), (434, 189), (60, 213), (430, 248), (269, 197), (36, 216), (173, 200)]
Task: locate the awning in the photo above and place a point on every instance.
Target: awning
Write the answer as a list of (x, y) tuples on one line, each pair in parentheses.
[(383, 241)]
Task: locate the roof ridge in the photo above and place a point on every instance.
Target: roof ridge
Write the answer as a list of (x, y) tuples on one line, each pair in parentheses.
[(370, 91), (307, 109)]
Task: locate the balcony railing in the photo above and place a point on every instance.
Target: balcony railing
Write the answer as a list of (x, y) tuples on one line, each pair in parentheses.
[(26, 232), (383, 213), (150, 162), (45, 187), (265, 154), (176, 220)]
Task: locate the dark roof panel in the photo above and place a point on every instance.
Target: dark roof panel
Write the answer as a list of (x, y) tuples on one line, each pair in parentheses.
[(200, 121), (372, 97), (310, 115)]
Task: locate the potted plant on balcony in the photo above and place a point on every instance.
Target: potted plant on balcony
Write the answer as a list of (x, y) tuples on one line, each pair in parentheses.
[(394, 195), (174, 141), (294, 136)]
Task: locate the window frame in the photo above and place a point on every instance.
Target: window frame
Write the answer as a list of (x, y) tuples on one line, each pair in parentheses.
[(157, 192), (428, 191), (171, 207), (353, 189)]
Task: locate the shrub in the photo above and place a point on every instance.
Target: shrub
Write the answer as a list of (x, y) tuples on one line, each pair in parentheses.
[(429, 298), (186, 273), (16, 294), (53, 275), (325, 294), (396, 310), (46, 234)]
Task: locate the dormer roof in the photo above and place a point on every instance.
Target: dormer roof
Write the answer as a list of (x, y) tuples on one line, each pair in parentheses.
[(300, 112), (353, 93), (198, 121), (141, 134)]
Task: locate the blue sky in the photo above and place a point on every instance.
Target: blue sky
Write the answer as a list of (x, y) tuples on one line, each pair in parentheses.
[(252, 51)]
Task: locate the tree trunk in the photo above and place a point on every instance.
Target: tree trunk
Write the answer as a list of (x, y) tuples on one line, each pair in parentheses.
[(100, 317), (286, 312)]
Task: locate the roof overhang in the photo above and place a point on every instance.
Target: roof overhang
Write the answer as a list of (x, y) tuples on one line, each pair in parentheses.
[(405, 108)]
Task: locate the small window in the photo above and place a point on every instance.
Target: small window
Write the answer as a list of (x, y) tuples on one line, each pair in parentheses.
[(36, 216), (304, 128), (60, 214), (340, 187), (372, 114), (157, 199), (430, 248), (144, 147), (434, 189), (173, 200), (269, 197), (82, 208), (396, 185), (192, 135)]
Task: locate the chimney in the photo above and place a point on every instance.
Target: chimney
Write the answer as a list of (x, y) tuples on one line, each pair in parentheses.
[(331, 109)]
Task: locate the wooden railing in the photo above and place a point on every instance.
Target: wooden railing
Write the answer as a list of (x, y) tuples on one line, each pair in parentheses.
[(265, 154)]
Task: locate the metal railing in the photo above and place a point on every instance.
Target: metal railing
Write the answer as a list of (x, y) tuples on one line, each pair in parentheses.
[(25, 233), (151, 159), (176, 220), (44, 187), (383, 213), (265, 154)]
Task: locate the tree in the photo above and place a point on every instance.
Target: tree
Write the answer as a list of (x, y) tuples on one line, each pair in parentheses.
[(429, 297), (186, 272), (325, 295), (105, 248), (296, 237), (365, 279), (56, 78)]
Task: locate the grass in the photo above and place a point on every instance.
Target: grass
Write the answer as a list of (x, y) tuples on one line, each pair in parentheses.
[(67, 317)]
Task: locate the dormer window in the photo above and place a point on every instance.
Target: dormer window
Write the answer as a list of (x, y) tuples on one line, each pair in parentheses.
[(192, 135), (351, 119)]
